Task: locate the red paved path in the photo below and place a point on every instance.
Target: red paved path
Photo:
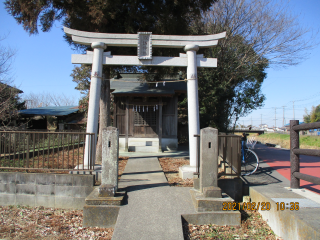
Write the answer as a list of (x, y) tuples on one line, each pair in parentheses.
[(280, 160)]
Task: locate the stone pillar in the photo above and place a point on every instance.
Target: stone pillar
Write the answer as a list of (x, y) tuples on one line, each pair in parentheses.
[(94, 99), (126, 144), (160, 124), (193, 102), (110, 155), (209, 162)]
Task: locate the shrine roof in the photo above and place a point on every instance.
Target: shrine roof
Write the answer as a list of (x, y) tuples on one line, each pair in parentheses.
[(50, 111), (130, 84)]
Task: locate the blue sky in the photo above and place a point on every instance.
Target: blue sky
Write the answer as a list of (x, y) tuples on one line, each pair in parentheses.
[(43, 64)]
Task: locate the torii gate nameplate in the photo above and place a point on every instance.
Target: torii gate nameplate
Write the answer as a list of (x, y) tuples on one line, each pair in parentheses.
[(144, 45)]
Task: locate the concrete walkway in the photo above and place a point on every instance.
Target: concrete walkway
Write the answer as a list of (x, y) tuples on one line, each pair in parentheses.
[(153, 209)]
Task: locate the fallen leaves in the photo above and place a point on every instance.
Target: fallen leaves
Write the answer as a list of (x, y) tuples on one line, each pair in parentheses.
[(35, 223), (252, 227), (170, 167)]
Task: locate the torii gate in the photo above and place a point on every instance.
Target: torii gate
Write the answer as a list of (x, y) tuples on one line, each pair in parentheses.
[(144, 41)]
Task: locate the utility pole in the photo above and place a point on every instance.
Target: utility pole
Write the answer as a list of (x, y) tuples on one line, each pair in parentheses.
[(283, 120), (261, 120), (275, 117), (293, 109)]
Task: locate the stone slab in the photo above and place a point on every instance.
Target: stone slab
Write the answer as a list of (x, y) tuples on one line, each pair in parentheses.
[(83, 180), (94, 199), (186, 172), (26, 178), (8, 188), (45, 201), (48, 190), (212, 192), (64, 191), (207, 204), (81, 192), (45, 179), (100, 216), (7, 177), (7, 199), (29, 189), (64, 179), (301, 224), (25, 200), (220, 218)]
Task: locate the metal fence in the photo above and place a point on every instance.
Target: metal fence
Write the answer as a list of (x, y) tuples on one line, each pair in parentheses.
[(295, 152), (230, 155), (44, 150)]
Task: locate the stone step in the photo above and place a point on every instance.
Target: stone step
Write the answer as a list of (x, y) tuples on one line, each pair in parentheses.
[(144, 142), (150, 149), (220, 218), (208, 204)]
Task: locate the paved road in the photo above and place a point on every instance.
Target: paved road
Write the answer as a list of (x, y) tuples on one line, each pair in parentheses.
[(279, 159)]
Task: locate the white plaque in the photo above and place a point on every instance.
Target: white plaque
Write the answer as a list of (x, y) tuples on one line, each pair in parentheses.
[(144, 45)]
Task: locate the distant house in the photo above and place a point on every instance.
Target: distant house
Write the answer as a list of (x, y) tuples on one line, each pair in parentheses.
[(263, 126), (58, 117)]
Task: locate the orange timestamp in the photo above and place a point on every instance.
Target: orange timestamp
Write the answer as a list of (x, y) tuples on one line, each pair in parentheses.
[(251, 206), (262, 206)]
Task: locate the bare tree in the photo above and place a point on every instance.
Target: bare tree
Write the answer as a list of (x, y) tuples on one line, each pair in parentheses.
[(34, 100), (266, 26), (260, 34), (9, 95)]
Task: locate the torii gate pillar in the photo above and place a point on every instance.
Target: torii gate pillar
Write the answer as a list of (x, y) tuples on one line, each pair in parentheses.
[(94, 99), (193, 103)]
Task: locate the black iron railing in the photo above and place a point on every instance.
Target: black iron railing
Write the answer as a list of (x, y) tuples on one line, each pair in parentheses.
[(45, 150)]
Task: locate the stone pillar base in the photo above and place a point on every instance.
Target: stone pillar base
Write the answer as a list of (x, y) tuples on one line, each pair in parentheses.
[(187, 171), (102, 211)]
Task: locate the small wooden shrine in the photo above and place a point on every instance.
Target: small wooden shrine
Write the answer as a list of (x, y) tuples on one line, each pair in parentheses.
[(146, 114)]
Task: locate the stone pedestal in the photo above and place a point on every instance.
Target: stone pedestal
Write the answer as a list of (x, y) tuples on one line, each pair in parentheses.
[(103, 204), (102, 211)]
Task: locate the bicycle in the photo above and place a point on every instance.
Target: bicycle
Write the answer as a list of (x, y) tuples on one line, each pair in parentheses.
[(249, 161)]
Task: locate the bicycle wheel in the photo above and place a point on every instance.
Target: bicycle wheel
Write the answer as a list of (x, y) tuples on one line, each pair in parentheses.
[(250, 163)]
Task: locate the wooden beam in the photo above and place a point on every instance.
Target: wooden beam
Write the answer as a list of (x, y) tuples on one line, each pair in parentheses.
[(133, 60)]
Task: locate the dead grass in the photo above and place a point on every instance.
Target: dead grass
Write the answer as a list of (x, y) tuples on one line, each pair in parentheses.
[(170, 168), (46, 223), (252, 227)]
